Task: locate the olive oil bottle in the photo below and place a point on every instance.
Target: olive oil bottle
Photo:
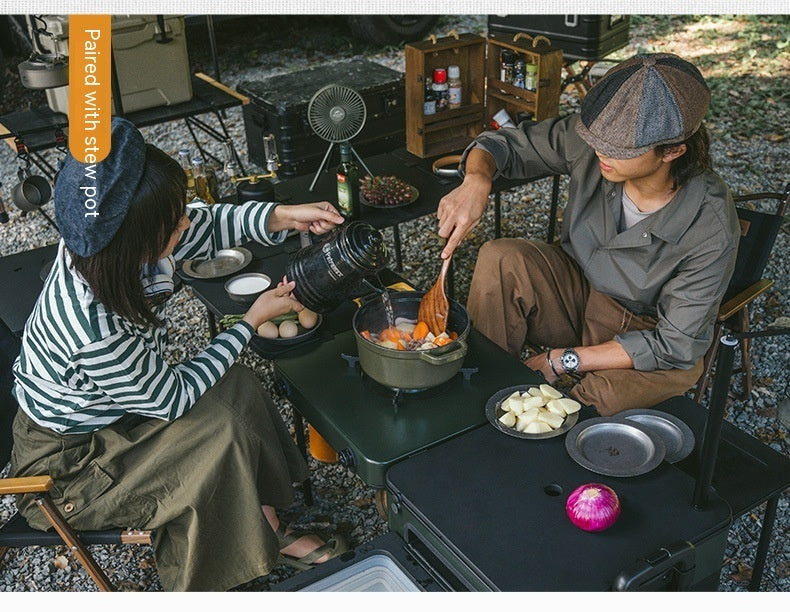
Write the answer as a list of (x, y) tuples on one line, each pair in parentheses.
[(347, 184)]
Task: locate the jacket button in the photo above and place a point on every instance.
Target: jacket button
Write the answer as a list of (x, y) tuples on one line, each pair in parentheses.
[(612, 193), (644, 234), (69, 507)]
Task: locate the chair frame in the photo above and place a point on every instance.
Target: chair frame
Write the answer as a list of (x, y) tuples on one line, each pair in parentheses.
[(734, 313)]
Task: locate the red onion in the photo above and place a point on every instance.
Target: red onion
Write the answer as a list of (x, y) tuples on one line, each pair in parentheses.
[(593, 507)]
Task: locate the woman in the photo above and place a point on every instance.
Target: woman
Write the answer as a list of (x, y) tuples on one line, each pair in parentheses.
[(197, 451)]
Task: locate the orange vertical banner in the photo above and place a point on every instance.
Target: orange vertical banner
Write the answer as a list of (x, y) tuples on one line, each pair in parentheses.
[(90, 87)]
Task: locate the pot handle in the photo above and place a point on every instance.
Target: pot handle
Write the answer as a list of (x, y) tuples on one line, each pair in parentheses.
[(446, 357)]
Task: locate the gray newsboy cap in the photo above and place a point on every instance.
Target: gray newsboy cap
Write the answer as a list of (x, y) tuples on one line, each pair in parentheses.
[(643, 102), (91, 200)]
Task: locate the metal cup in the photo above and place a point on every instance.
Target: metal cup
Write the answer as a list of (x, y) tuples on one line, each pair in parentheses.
[(32, 193)]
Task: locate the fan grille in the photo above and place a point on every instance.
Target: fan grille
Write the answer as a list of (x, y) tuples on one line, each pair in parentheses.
[(336, 113)]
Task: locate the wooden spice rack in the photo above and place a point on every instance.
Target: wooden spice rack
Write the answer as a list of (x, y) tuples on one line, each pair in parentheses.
[(483, 93)]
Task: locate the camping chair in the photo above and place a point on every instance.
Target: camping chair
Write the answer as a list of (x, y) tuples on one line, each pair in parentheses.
[(758, 234), (15, 532)]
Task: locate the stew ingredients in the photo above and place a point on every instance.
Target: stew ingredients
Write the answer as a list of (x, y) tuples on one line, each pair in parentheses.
[(538, 410), (409, 335)]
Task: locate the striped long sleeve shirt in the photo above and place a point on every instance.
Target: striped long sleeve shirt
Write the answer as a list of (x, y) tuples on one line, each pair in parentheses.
[(83, 367)]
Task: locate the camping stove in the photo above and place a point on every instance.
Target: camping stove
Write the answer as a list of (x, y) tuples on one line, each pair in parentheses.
[(372, 426)]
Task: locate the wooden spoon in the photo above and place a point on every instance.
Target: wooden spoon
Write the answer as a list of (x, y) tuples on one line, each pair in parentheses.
[(434, 305)]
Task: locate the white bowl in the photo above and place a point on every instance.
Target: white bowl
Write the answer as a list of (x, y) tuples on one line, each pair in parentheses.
[(246, 288)]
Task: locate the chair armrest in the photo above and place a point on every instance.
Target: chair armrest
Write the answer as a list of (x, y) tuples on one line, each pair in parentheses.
[(28, 484), (739, 300)]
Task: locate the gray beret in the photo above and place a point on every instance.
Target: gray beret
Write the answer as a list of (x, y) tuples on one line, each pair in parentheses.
[(643, 102), (91, 200)]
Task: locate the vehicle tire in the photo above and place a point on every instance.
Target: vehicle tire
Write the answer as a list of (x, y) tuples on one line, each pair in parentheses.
[(391, 29)]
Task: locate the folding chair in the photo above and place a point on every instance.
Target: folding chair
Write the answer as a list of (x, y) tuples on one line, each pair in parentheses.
[(758, 235), (15, 532)]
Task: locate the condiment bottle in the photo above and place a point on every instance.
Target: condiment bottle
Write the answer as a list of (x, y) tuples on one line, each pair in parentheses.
[(331, 270), (519, 73), (440, 89), (201, 181), (429, 105), (347, 184), (507, 59), (186, 166), (531, 77), (454, 87)]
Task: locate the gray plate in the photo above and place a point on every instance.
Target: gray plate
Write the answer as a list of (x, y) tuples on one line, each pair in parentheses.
[(493, 412), (615, 446), (227, 261), (676, 435)]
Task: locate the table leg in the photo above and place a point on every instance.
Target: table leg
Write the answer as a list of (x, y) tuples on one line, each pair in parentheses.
[(398, 254), (762, 546), (555, 195), (212, 323), (497, 215)]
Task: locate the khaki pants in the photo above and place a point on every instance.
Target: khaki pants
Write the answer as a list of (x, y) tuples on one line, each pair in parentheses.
[(198, 481), (533, 292)]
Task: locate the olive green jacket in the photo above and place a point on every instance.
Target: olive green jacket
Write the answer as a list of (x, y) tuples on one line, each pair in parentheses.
[(674, 265)]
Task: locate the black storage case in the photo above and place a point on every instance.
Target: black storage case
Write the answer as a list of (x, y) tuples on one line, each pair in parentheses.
[(278, 105), (581, 37)]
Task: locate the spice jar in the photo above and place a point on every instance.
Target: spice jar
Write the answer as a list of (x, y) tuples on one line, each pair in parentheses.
[(454, 87), (440, 89), (330, 271), (531, 77)]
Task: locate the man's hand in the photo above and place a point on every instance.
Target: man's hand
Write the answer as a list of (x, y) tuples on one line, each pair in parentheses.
[(460, 210), (538, 363), (317, 217)]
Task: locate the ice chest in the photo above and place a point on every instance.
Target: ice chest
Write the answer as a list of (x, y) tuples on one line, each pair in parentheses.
[(581, 37), (278, 106), (491, 509), (152, 65)]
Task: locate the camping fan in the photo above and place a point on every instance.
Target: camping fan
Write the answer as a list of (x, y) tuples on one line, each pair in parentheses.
[(337, 114)]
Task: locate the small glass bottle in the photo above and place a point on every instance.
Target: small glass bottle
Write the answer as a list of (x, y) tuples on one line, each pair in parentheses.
[(531, 77), (440, 89), (231, 167), (186, 165), (507, 59), (429, 104), (347, 184), (454, 90), (201, 181)]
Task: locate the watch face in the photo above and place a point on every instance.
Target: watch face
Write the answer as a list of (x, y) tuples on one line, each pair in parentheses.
[(570, 360)]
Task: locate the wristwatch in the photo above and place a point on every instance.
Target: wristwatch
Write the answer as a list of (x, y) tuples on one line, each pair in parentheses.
[(570, 361)]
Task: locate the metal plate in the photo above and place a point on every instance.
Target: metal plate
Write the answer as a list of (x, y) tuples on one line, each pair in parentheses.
[(494, 411), (227, 261), (414, 195), (615, 446), (676, 435)]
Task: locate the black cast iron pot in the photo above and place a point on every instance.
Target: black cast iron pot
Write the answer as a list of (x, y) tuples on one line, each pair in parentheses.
[(409, 370)]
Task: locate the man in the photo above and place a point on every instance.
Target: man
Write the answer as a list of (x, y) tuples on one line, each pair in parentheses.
[(628, 298)]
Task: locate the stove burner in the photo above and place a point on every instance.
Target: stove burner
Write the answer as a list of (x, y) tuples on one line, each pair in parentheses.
[(395, 394)]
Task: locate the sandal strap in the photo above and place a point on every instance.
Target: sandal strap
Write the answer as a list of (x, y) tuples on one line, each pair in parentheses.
[(319, 552)]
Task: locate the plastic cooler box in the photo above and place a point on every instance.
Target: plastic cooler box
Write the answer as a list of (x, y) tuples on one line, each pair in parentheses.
[(150, 73)]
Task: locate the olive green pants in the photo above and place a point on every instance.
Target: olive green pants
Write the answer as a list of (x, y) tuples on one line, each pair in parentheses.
[(525, 291), (198, 481)]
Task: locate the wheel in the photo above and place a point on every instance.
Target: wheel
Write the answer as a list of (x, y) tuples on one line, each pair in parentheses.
[(391, 29)]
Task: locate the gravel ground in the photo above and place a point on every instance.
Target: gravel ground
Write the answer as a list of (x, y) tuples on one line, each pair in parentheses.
[(748, 162)]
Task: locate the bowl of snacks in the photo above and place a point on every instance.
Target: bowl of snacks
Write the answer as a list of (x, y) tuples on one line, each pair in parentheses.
[(386, 192), (288, 329)]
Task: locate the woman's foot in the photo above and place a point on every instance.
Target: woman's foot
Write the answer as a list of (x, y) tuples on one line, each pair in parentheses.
[(296, 546)]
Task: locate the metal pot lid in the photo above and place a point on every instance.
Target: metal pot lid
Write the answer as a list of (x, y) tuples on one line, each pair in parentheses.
[(615, 446), (676, 435)]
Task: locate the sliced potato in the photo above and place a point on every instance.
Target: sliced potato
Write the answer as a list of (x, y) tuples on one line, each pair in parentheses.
[(533, 401), (529, 415), (556, 406), (552, 420), (513, 404), (508, 419), (570, 405), (534, 391), (550, 391), (537, 427)]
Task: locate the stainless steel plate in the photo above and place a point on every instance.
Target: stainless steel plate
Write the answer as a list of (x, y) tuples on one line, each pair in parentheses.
[(676, 435), (494, 411), (227, 261), (615, 446)]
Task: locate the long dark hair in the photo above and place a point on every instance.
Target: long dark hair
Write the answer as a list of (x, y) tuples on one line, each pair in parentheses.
[(114, 272), (694, 161)]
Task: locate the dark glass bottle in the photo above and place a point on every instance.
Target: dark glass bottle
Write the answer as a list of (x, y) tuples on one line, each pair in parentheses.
[(347, 184)]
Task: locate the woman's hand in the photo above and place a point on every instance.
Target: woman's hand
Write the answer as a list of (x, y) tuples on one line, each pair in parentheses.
[(460, 210), (317, 217), (273, 303)]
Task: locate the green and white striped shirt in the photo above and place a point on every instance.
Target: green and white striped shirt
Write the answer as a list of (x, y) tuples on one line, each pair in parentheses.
[(83, 367)]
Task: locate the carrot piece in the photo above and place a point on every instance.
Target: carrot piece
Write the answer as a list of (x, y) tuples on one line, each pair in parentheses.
[(366, 335), (441, 341), (420, 330), (453, 335)]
